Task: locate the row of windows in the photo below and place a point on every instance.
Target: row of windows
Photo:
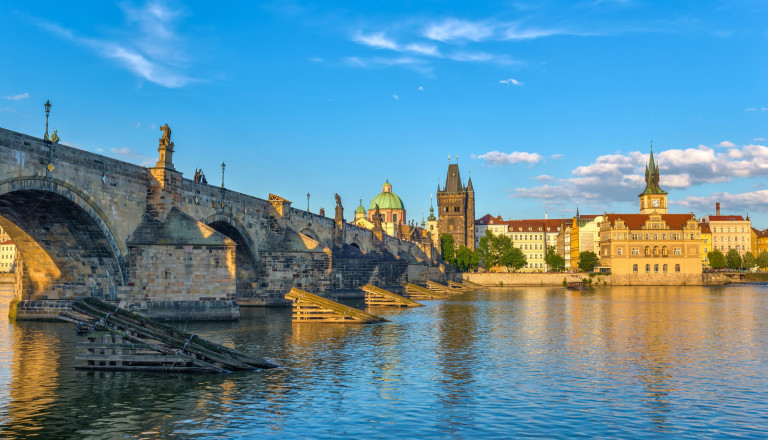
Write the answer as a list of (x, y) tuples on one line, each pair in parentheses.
[(729, 230), (648, 251), (8, 248), (534, 265), (637, 236), (655, 268), (729, 239)]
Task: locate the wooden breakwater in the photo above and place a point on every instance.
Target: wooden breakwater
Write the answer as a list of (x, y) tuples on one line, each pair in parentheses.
[(420, 293), (313, 308), (378, 297), (122, 340)]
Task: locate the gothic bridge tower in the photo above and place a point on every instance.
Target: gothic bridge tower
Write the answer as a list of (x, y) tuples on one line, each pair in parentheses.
[(456, 208)]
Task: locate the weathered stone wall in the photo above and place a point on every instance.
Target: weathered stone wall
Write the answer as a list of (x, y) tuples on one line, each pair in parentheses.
[(306, 271), (181, 273)]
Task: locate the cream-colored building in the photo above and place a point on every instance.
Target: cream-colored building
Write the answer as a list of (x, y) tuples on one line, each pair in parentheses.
[(7, 256), (706, 243), (731, 232)]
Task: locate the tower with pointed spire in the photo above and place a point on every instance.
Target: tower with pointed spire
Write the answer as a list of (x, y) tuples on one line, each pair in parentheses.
[(456, 208), (653, 198)]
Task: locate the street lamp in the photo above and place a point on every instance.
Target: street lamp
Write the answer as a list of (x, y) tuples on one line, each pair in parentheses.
[(223, 165), (307, 202), (47, 112)]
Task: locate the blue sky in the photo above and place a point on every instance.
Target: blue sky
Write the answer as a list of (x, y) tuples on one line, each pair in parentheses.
[(548, 103)]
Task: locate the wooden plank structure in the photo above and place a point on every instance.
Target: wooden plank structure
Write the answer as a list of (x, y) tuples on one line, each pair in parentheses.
[(460, 287), (422, 293), (471, 284), (378, 297), (312, 308), (119, 340), (437, 287)]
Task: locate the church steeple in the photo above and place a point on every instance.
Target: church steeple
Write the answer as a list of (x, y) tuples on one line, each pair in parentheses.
[(653, 198), (431, 210)]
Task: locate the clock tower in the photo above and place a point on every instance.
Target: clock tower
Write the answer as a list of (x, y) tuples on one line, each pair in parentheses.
[(653, 198)]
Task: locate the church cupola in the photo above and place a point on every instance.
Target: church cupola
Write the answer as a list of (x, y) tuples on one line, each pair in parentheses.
[(653, 198)]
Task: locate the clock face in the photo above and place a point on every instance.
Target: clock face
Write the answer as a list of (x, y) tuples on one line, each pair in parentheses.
[(655, 203)]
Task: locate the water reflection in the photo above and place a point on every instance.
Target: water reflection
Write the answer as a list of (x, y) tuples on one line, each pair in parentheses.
[(613, 362)]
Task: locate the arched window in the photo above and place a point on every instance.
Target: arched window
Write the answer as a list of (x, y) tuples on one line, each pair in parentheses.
[(655, 251), (647, 251), (677, 268), (655, 268), (664, 251), (665, 268), (634, 268), (647, 268)]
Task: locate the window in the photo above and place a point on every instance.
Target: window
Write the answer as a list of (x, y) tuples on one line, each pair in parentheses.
[(620, 251), (677, 251), (634, 268), (664, 251), (635, 251), (677, 268), (665, 268), (394, 218), (647, 268), (655, 268), (647, 251)]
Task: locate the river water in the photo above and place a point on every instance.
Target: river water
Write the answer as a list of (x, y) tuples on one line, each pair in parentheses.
[(616, 362)]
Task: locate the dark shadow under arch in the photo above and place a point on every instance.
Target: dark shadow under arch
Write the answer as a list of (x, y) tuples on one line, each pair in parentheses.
[(246, 263)]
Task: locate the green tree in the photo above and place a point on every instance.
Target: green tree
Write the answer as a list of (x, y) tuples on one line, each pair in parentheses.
[(733, 259), (448, 246), (553, 260), (466, 259), (498, 250), (749, 260), (588, 260), (716, 259), (762, 259)]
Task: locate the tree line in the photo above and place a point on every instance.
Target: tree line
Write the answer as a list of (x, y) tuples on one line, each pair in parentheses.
[(499, 251), (732, 260)]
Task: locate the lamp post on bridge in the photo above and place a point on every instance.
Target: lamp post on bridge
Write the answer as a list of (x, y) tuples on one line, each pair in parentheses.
[(47, 112), (223, 165), (307, 202)]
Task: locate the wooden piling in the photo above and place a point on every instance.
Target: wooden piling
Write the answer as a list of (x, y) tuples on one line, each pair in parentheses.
[(378, 297), (437, 287), (458, 286), (417, 292), (312, 308)]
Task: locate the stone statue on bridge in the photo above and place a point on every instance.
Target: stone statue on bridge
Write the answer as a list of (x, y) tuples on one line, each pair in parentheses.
[(165, 141), (55, 137), (339, 211)]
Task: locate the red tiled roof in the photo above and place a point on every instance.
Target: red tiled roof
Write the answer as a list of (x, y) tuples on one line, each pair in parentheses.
[(726, 218), (705, 228), (9, 241), (636, 221), (484, 219)]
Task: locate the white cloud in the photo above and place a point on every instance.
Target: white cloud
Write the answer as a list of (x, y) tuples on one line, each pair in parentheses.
[(457, 30), (750, 109), (421, 88), (17, 97), (515, 33), (377, 40), (611, 176), (512, 81), (499, 158), (726, 144), (423, 49), (749, 201), (557, 156), (758, 139), (129, 154), (316, 59), (764, 109), (149, 47), (397, 98)]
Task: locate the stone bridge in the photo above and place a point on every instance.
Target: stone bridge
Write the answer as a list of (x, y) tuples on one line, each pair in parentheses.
[(174, 248)]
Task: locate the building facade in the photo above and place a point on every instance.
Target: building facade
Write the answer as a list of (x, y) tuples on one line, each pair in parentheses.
[(456, 208), (653, 243)]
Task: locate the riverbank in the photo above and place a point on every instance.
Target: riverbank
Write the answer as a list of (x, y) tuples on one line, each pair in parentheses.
[(557, 279)]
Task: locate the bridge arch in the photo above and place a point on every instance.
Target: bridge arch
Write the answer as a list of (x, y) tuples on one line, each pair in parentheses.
[(246, 254), (309, 232), (67, 245)]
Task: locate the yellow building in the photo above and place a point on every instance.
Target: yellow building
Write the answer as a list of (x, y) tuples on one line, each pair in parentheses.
[(652, 244), (7, 256), (706, 243), (761, 242)]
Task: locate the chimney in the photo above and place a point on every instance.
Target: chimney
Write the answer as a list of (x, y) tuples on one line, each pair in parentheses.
[(717, 208)]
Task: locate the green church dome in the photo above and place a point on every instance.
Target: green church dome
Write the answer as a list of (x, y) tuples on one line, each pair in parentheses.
[(360, 209), (387, 199)]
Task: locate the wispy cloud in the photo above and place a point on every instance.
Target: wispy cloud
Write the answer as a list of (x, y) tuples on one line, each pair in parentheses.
[(459, 30), (150, 48), (726, 144), (377, 40), (750, 109), (397, 98), (511, 81), (499, 158), (17, 97), (749, 201)]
